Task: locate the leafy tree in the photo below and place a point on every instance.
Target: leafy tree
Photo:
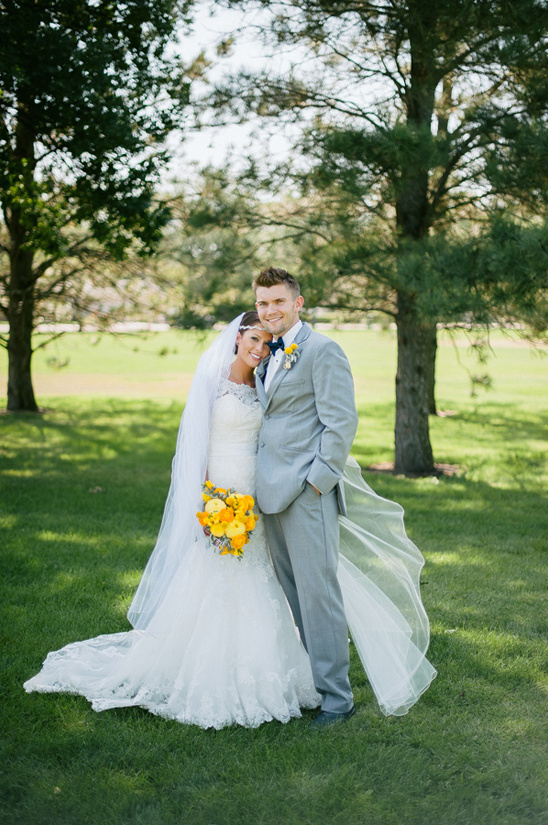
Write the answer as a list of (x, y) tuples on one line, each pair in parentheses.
[(425, 123), (222, 233), (87, 95)]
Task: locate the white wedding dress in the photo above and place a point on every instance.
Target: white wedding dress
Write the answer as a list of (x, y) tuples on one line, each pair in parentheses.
[(222, 647)]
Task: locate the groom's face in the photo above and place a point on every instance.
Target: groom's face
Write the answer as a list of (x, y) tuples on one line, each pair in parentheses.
[(278, 308)]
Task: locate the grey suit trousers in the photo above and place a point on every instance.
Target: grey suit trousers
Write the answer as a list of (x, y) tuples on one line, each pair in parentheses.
[(304, 544)]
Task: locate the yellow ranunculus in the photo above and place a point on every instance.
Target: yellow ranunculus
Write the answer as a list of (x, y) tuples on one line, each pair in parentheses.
[(238, 541), (217, 530), (214, 505), (236, 528), (226, 515), (202, 518), (250, 523)]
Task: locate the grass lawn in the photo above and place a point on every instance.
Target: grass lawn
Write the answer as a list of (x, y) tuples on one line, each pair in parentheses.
[(82, 489)]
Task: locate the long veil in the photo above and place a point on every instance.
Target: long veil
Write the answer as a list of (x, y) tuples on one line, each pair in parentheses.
[(180, 529), (379, 572)]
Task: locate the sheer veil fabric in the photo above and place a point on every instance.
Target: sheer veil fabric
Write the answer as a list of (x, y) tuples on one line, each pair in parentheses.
[(180, 529), (379, 574)]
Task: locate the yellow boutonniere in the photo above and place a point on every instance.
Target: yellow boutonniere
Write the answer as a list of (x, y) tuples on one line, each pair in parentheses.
[(291, 355)]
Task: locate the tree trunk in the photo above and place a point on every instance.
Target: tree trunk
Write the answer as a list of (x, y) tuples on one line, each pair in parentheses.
[(20, 313), (413, 450), (416, 337), (22, 281), (430, 365)]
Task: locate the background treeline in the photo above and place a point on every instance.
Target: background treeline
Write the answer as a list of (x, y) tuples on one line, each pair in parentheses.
[(414, 187)]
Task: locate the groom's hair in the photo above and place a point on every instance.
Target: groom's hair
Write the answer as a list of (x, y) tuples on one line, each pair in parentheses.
[(272, 276)]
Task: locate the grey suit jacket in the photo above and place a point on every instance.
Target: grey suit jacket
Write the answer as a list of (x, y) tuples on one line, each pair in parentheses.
[(309, 424)]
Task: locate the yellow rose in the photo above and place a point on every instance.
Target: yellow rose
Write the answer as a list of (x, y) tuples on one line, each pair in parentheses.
[(250, 523), (214, 505), (236, 528), (217, 530)]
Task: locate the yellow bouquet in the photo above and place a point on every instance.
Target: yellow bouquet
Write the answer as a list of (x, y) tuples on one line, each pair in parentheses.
[(227, 518)]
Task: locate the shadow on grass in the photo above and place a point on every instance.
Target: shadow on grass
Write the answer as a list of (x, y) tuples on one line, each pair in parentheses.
[(509, 422), (85, 430), (86, 494), (507, 428)]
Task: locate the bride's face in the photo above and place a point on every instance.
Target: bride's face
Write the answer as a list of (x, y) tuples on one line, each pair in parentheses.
[(252, 346)]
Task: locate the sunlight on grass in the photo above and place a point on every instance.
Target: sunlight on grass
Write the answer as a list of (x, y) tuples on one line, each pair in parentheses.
[(81, 501)]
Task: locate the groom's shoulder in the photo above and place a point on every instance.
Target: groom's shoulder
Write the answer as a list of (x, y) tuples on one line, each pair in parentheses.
[(320, 341), (312, 336)]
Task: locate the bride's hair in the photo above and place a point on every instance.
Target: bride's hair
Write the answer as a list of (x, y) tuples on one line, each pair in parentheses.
[(249, 319)]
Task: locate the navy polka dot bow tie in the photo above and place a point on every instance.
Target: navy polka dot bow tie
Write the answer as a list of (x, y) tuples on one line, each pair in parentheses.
[(276, 345)]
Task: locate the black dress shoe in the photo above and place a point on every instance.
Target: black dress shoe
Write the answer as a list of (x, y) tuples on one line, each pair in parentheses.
[(324, 718)]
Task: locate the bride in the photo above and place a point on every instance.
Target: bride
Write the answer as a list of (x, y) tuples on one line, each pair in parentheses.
[(213, 640)]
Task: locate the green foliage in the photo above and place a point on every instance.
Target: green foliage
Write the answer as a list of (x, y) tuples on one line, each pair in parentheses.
[(82, 498), (421, 121), (80, 138), (223, 234)]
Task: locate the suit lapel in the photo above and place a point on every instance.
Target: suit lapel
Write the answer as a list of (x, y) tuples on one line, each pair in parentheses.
[(280, 374), (259, 381)]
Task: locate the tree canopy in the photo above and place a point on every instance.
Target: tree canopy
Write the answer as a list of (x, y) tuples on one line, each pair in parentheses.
[(424, 126), (87, 95)]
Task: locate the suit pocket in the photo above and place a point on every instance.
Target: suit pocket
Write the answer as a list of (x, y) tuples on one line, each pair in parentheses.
[(290, 394)]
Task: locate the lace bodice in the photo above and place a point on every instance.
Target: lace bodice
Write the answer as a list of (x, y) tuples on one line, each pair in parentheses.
[(235, 425)]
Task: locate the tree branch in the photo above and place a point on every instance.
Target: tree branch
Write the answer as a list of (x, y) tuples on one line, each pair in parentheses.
[(48, 341)]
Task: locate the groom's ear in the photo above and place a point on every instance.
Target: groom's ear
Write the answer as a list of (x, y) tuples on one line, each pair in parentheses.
[(299, 303)]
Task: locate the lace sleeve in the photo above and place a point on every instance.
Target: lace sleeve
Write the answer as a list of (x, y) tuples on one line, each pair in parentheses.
[(243, 392)]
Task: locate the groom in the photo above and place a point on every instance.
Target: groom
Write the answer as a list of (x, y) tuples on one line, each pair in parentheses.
[(310, 420)]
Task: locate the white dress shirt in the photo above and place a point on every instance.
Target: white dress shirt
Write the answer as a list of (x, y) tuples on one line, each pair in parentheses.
[(279, 355)]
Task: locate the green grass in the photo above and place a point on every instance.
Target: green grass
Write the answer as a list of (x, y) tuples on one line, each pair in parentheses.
[(473, 751)]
